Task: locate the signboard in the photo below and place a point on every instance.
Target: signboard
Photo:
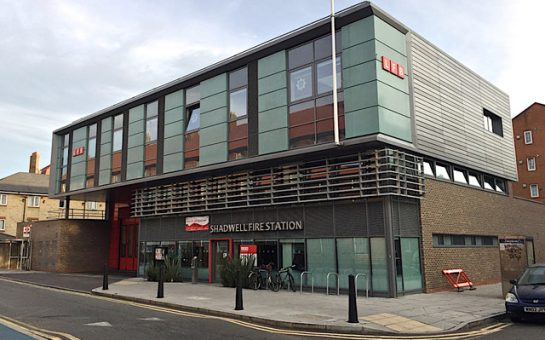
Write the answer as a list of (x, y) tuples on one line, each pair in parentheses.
[(78, 151), (247, 251), (26, 230), (196, 223), (393, 67), (159, 254), (256, 227)]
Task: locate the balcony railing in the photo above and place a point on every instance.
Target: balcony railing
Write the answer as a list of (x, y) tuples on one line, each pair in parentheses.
[(82, 214)]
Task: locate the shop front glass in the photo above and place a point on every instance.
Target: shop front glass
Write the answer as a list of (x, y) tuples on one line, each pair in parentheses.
[(379, 273), (321, 261), (353, 258), (187, 250), (293, 253)]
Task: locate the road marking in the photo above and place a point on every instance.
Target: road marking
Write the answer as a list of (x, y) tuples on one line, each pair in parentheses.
[(451, 336), (151, 319), (35, 332), (99, 324)]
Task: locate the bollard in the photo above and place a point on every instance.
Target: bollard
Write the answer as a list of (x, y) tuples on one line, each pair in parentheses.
[(105, 278), (160, 285), (238, 295), (194, 270), (352, 306)]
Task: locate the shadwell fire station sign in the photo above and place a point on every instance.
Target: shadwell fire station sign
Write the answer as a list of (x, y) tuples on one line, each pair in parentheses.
[(202, 223)]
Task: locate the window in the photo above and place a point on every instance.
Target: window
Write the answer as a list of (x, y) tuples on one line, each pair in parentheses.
[(428, 169), (446, 240), (34, 201), (442, 171), (489, 183), (62, 204), (3, 199), (474, 179), (191, 138), (91, 154), (531, 162), (311, 93), (492, 123), (150, 140), (528, 137), (90, 205), (534, 190), (2, 225), (118, 133), (64, 169), (459, 176), (238, 114)]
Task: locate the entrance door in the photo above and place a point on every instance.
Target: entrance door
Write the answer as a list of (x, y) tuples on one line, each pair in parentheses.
[(220, 250), (128, 247)]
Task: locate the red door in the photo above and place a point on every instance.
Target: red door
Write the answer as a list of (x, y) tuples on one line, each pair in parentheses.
[(128, 244)]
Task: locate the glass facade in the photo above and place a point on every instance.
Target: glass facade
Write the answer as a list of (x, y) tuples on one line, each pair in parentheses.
[(238, 115), (117, 143), (193, 119), (150, 139)]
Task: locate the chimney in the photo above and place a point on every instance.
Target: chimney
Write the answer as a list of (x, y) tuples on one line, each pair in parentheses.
[(34, 167)]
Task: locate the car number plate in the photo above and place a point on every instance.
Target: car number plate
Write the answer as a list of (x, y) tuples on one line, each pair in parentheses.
[(534, 309)]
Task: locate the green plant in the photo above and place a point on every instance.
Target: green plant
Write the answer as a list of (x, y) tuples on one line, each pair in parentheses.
[(173, 272), (230, 267), (152, 272)]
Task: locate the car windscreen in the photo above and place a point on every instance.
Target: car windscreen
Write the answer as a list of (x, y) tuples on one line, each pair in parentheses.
[(532, 276)]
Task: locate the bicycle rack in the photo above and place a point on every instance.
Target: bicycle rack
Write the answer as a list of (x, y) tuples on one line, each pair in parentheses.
[(327, 282), (312, 280), (366, 284)]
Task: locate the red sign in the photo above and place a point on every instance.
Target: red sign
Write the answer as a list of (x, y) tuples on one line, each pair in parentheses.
[(78, 151), (393, 67), (26, 230), (197, 223), (248, 249)]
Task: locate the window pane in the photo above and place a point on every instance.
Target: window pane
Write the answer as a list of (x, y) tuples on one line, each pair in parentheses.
[(531, 163), (353, 257), (410, 259), (152, 109), (534, 190), (459, 176), (428, 169), (65, 156), (324, 73), (300, 56), (92, 131), (302, 113), (500, 185), (118, 122), (458, 240), (118, 140), (527, 137), (379, 265), (473, 180), (194, 115), (91, 148), (151, 130), (192, 95), (238, 104), (489, 183), (442, 172), (238, 78), (301, 84), (322, 46), (321, 260)]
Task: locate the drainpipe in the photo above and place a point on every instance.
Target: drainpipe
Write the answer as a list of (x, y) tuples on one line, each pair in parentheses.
[(334, 69)]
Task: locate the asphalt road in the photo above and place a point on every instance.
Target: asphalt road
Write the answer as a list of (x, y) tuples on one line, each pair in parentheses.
[(88, 317), (526, 330)]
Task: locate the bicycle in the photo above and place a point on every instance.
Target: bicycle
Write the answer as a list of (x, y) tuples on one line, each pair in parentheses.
[(260, 277), (285, 278)]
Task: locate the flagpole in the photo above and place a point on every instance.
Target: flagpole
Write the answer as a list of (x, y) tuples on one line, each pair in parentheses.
[(334, 69)]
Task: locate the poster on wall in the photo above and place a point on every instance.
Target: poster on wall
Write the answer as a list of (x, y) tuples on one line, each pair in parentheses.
[(196, 223), (247, 251)]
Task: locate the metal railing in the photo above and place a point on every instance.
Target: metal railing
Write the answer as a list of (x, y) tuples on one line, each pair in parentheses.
[(366, 284), (327, 282), (311, 278), (73, 213)]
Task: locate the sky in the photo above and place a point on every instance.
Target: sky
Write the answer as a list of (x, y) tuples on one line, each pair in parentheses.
[(62, 60)]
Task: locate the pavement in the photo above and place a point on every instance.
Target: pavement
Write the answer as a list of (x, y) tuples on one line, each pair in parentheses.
[(415, 314)]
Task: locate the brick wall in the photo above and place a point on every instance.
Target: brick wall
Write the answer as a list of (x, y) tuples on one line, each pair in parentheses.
[(449, 208), (69, 245)]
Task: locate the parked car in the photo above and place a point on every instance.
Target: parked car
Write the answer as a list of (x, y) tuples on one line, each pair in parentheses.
[(526, 299)]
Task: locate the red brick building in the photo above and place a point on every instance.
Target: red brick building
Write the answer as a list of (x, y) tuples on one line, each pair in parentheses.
[(529, 136)]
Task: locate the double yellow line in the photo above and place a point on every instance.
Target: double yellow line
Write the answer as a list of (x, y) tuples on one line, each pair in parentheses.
[(273, 330), (34, 332)]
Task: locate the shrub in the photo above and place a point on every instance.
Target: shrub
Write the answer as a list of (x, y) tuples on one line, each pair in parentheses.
[(173, 272), (152, 272), (230, 267)]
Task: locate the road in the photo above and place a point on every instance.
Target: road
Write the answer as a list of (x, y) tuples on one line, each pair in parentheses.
[(526, 330), (84, 316)]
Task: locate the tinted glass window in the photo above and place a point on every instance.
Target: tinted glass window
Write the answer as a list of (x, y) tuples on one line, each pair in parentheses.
[(324, 71), (442, 171), (301, 84), (238, 78), (118, 140), (192, 95), (151, 130), (152, 109), (237, 104), (474, 179), (194, 118), (92, 131), (300, 56), (118, 122), (91, 148)]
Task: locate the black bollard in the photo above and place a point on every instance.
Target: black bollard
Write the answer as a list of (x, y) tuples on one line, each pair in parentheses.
[(105, 278), (352, 306), (238, 295), (160, 285)]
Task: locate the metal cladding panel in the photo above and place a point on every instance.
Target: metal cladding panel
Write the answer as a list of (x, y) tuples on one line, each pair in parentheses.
[(375, 218), (351, 220), (448, 103)]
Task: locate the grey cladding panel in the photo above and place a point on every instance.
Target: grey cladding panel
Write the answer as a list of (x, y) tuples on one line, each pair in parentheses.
[(448, 109)]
